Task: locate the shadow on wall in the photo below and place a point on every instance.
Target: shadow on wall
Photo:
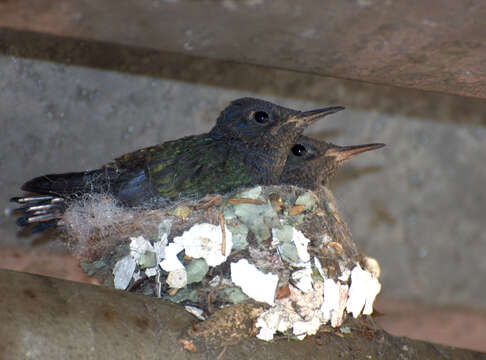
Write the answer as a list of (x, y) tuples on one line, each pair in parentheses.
[(257, 79)]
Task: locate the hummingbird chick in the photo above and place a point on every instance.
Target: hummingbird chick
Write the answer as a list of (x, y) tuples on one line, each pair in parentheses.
[(249, 145), (311, 163)]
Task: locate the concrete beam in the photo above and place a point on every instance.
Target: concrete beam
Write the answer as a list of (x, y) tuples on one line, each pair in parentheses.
[(434, 45)]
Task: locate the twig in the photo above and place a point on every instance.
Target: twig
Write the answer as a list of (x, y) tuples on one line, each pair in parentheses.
[(223, 229)]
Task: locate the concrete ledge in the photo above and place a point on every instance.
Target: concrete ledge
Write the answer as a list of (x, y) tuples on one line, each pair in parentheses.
[(44, 317), (433, 45)]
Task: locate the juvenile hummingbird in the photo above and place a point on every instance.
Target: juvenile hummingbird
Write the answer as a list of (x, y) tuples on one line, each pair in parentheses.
[(248, 145), (311, 163)]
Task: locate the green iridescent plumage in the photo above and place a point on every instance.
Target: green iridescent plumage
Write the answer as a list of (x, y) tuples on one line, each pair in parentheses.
[(208, 168)]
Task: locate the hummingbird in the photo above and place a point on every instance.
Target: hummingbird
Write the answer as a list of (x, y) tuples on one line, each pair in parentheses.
[(311, 163), (248, 145)]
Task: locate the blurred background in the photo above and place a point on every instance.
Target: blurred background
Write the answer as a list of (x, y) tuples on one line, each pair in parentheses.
[(83, 83)]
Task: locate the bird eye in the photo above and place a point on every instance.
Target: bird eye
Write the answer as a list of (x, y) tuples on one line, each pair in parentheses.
[(260, 117), (299, 150)]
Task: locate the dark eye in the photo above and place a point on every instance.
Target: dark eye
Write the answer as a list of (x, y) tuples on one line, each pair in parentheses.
[(260, 117), (299, 150)]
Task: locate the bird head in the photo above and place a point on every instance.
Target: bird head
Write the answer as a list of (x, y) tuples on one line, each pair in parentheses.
[(261, 124), (311, 162)]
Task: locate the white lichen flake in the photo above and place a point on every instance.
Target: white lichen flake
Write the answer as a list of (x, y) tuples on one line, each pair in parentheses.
[(301, 243), (123, 272), (137, 275), (335, 296), (206, 241), (346, 273), (177, 279), (373, 291), (254, 283), (271, 321), (372, 265), (302, 328), (318, 266), (313, 303), (197, 312), (303, 279), (171, 261), (362, 292), (151, 271), (159, 247), (138, 246)]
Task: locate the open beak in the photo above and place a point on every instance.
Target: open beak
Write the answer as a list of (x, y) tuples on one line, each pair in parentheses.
[(344, 153), (305, 118)]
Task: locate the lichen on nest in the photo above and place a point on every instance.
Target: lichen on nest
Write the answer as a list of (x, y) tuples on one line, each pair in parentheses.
[(282, 248)]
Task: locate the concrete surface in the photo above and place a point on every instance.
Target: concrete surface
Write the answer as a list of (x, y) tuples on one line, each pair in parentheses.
[(448, 325), (417, 205), (79, 321), (431, 45)]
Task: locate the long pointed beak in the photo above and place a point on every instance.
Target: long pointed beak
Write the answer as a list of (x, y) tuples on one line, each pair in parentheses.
[(344, 153), (308, 117)]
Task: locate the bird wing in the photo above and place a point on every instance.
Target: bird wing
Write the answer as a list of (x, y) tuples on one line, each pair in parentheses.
[(196, 166)]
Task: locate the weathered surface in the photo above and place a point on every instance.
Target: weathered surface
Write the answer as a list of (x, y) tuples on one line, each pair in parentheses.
[(46, 318), (434, 45)]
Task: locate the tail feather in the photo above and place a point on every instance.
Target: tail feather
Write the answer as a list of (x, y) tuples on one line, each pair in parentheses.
[(38, 206), (39, 210), (67, 184), (30, 199), (22, 221), (44, 208), (43, 226), (49, 195)]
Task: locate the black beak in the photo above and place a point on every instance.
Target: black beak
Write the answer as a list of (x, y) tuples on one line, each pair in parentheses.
[(308, 117)]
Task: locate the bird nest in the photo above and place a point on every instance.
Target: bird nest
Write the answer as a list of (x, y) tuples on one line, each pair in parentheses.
[(279, 254)]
